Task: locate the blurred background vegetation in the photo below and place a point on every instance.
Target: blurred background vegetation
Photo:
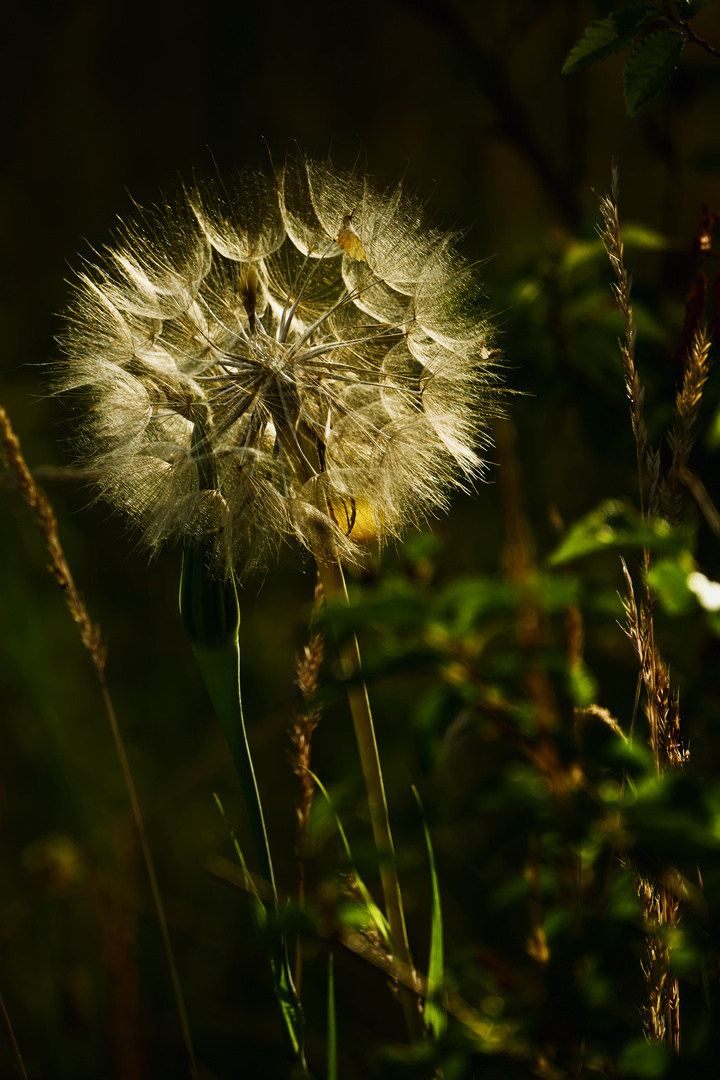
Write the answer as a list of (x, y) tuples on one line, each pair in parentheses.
[(469, 631)]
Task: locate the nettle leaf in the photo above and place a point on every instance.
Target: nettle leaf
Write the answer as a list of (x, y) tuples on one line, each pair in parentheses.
[(608, 36), (649, 67)]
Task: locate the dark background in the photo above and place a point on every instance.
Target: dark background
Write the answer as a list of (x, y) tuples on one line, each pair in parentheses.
[(104, 104)]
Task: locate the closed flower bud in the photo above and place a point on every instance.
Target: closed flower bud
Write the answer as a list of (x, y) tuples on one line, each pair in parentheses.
[(294, 355)]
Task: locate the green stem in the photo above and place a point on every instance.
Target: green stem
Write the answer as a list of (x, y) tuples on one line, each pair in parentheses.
[(210, 614), (334, 586)]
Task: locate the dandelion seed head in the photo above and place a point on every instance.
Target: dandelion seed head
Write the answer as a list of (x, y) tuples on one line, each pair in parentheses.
[(294, 355)]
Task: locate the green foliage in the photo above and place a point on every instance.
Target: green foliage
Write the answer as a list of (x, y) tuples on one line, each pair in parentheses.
[(654, 54), (502, 670), (210, 614), (644, 1059), (607, 36), (271, 929), (650, 66), (363, 911), (615, 526)]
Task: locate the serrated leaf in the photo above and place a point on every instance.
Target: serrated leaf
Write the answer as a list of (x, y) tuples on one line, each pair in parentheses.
[(607, 36), (649, 67)]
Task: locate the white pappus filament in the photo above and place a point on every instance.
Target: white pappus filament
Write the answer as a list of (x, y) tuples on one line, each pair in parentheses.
[(299, 354)]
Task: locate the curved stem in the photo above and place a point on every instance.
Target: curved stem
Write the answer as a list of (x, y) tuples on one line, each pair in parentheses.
[(333, 582), (690, 34), (211, 618)]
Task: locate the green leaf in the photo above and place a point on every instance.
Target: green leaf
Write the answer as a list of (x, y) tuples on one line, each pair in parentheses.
[(435, 1016), (644, 1059), (698, 5), (466, 602), (671, 819), (398, 611), (713, 434), (614, 526), (637, 235), (607, 36), (583, 685), (581, 253), (668, 579), (650, 66)]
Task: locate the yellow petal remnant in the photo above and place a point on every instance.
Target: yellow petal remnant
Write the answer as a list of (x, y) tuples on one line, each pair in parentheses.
[(357, 520), (256, 363), (349, 240)]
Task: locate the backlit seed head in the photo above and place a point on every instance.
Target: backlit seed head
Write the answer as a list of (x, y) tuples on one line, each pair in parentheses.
[(298, 354)]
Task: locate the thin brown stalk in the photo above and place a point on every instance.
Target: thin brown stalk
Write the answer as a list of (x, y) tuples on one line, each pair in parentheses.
[(622, 290), (91, 637), (306, 719), (13, 1040), (687, 405), (690, 34), (661, 704), (334, 586), (661, 1015), (705, 504), (661, 1012)]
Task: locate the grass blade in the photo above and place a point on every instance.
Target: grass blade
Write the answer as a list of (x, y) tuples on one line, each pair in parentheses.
[(435, 1011), (92, 639), (379, 921), (210, 614)]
